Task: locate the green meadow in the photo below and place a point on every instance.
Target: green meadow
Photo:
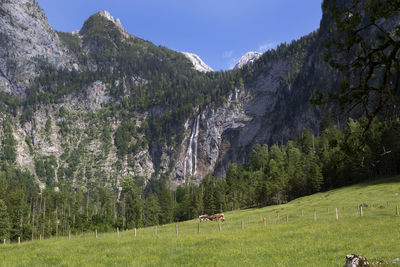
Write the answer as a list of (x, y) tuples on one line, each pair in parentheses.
[(243, 239)]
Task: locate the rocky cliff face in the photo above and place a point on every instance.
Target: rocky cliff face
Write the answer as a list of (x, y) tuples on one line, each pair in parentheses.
[(26, 39), (78, 132), (205, 144), (198, 63), (270, 109), (247, 58)]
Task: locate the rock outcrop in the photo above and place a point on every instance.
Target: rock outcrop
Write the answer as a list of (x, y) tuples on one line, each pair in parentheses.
[(247, 58), (353, 260), (206, 143), (198, 63), (26, 42)]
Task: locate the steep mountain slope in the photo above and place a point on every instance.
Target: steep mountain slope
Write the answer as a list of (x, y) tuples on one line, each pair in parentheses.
[(98, 104), (26, 39), (271, 106), (247, 58), (198, 63)]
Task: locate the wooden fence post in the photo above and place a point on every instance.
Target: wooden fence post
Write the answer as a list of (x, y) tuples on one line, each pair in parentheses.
[(40, 237), (337, 215), (19, 240), (198, 227), (265, 222), (302, 213), (327, 210), (242, 225), (69, 234), (96, 233), (287, 217), (176, 229), (397, 210), (4, 241), (315, 216), (361, 212), (219, 226), (134, 230), (117, 231)]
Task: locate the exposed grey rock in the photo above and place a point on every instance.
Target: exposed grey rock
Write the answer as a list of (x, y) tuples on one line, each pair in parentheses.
[(117, 22), (96, 95), (203, 144), (198, 63), (26, 40), (353, 260), (247, 58)]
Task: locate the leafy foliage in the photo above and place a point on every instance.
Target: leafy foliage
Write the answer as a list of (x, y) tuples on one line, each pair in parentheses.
[(365, 46)]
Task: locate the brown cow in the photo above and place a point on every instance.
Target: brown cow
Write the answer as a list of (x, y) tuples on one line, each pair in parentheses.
[(204, 217), (218, 216)]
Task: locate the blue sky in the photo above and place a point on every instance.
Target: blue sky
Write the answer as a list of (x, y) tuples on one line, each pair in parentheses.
[(219, 31)]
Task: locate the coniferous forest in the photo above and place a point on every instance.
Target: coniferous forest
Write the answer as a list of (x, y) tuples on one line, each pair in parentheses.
[(272, 175)]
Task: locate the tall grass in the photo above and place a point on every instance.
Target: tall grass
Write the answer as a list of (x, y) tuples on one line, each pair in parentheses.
[(299, 242)]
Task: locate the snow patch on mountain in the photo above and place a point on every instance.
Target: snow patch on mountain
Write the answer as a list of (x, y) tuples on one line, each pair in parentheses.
[(249, 57), (198, 63)]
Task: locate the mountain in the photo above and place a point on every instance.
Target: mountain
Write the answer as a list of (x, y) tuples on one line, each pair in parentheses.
[(90, 107), (26, 39), (247, 58), (198, 63)]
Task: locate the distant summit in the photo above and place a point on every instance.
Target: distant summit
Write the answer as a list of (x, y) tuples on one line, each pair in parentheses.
[(198, 63), (249, 57), (105, 14)]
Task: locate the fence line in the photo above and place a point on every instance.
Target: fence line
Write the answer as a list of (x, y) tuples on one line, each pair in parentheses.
[(263, 221)]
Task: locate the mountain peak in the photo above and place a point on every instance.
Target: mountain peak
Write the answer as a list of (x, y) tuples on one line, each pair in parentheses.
[(107, 15), (198, 63), (247, 58)]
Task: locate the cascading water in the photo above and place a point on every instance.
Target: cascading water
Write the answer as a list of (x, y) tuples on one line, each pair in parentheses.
[(190, 163)]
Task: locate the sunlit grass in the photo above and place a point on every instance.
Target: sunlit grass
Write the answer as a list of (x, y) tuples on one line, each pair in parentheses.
[(299, 242)]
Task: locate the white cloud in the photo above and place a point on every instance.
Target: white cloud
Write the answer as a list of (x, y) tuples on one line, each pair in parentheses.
[(267, 46), (227, 54)]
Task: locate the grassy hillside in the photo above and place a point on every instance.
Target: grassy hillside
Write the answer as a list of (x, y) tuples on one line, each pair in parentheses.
[(298, 242)]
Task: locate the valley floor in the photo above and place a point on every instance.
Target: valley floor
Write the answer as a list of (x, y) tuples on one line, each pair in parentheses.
[(288, 239)]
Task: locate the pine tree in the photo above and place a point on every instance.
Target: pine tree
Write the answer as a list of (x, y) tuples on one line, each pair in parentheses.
[(196, 202), (165, 201), (151, 211), (9, 152), (4, 221)]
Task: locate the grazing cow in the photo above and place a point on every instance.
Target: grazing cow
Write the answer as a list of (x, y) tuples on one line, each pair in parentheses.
[(204, 217), (218, 216)]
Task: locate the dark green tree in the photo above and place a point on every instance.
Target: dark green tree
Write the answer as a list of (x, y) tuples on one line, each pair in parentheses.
[(9, 152), (165, 201), (151, 211), (4, 221), (365, 46)]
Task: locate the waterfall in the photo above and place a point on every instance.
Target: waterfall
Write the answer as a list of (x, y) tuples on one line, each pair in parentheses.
[(195, 143), (190, 163)]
